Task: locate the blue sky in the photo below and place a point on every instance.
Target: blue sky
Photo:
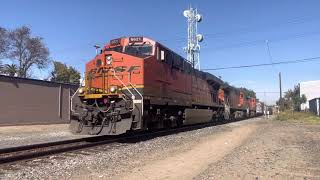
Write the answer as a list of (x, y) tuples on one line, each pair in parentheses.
[(235, 33)]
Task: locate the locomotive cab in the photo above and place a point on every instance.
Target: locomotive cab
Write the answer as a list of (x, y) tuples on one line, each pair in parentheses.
[(111, 102)]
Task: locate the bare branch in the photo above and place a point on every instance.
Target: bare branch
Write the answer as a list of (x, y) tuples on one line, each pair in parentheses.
[(27, 50), (3, 42)]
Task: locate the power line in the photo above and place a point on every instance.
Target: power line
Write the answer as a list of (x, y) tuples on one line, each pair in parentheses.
[(261, 41), (181, 38), (266, 64), (261, 28)]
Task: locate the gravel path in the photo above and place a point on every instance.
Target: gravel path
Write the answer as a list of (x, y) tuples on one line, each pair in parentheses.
[(280, 150), (11, 136), (250, 149)]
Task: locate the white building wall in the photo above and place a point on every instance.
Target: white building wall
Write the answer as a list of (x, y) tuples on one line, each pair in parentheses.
[(311, 89)]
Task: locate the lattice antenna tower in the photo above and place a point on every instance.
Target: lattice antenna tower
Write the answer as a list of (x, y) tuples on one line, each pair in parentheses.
[(193, 46)]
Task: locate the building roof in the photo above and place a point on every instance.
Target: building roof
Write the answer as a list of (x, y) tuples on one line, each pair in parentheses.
[(11, 78)]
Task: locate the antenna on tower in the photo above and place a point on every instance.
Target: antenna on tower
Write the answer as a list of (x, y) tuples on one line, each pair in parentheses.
[(193, 47)]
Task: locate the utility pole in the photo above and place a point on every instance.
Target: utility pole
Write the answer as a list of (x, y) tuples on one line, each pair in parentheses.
[(280, 86), (265, 105)]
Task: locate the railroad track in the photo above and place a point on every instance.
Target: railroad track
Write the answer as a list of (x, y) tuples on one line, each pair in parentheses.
[(27, 152), (14, 154)]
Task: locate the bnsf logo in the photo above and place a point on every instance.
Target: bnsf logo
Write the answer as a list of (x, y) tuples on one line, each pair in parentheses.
[(117, 69)]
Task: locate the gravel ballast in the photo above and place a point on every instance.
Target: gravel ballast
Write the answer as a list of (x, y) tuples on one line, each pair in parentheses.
[(272, 150), (115, 159), (11, 136)]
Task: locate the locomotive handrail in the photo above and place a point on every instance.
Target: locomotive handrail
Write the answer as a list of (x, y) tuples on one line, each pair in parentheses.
[(133, 97), (136, 90), (139, 95), (71, 108), (114, 74)]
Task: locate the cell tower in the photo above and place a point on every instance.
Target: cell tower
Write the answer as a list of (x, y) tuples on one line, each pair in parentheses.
[(193, 47)]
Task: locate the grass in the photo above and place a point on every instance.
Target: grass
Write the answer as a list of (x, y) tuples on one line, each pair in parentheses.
[(298, 117)]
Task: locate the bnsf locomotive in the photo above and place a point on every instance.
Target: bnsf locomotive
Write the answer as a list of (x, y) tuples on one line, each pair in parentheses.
[(136, 84)]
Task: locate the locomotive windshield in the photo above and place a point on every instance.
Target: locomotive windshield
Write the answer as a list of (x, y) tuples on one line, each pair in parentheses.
[(117, 49), (143, 50)]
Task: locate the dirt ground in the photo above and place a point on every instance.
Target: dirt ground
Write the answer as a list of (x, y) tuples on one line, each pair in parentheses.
[(11, 136), (276, 150), (28, 129), (190, 163), (265, 149), (257, 148)]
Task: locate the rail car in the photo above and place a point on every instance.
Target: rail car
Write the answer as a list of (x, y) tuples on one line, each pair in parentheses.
[(137, 84)]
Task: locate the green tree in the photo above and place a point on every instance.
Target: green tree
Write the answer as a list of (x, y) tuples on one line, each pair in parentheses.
[(27, 50), (74, 75), (303, 99), (292, 99), (10, 69), (64, 74)]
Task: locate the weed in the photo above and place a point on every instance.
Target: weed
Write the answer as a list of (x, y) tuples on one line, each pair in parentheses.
[(299, 117)]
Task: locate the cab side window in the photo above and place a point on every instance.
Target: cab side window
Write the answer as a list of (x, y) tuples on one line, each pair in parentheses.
[(167, 56), (162, 54)]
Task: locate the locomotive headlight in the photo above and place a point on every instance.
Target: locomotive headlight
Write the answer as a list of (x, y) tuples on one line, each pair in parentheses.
[(81, 90), (113, 89), (109, 60)]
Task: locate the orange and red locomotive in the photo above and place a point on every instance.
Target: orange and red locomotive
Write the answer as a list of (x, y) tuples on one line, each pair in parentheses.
[(136, 83)]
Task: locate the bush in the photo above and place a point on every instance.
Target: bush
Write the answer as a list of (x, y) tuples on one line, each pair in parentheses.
[(302, 117)]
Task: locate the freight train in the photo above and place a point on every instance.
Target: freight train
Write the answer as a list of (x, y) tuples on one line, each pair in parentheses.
[(138, 84)]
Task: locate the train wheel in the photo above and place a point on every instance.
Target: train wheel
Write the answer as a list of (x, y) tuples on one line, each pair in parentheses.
[(180, 121)]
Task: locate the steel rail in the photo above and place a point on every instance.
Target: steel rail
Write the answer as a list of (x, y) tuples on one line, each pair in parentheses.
[(27, 152)]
